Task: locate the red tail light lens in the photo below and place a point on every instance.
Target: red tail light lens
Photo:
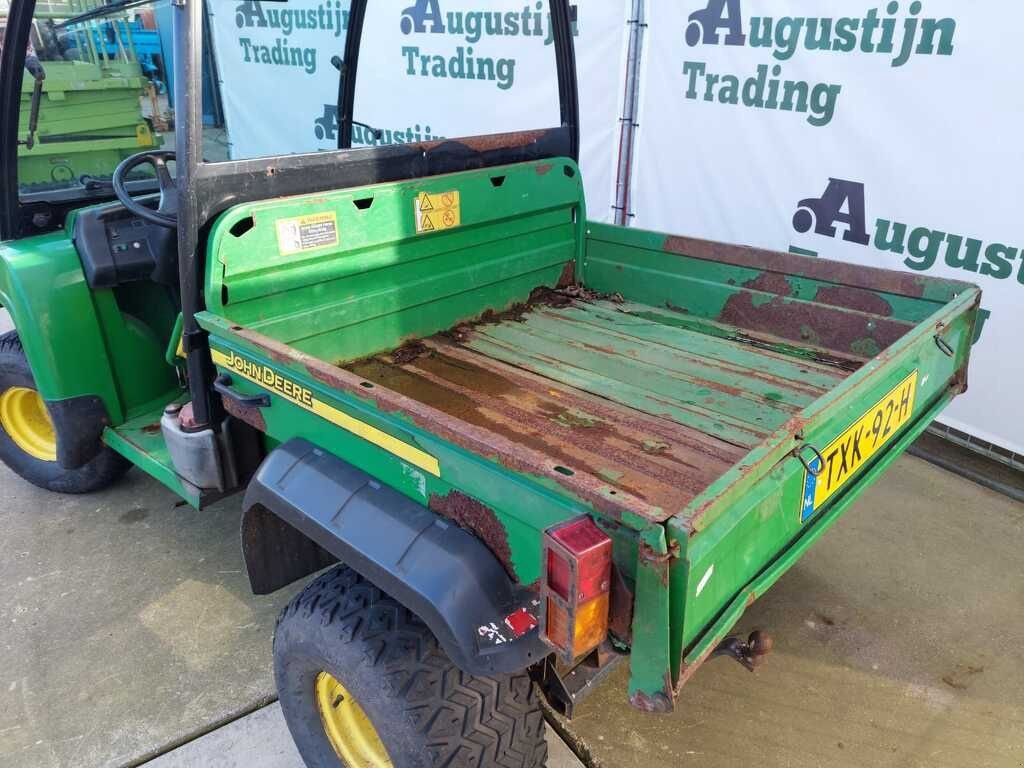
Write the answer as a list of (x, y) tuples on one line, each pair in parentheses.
[(576, 586)]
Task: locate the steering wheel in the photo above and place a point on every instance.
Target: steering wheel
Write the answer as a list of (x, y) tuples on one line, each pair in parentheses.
[(166, 213)]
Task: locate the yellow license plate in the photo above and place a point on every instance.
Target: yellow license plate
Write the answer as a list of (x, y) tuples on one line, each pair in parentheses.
[(857, 444)]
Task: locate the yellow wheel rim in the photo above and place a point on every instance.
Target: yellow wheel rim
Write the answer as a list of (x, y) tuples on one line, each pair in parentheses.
[(347, 727), (24, 417)]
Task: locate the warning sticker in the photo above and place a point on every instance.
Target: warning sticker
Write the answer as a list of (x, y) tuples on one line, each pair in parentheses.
[(437, 212), (305, 233)]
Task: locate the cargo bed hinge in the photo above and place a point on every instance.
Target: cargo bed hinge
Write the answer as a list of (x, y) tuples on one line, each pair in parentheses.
[(648, 555)]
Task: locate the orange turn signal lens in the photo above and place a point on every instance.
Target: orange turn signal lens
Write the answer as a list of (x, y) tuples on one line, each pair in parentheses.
[(591, 623)]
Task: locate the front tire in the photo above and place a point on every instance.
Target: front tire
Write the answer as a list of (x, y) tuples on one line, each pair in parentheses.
[(28, 439), (379, 658)]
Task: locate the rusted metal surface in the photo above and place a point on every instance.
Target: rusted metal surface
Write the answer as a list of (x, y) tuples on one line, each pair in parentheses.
[(620, 611), (857, 299), (818, 324), (687, 671), (815, 355), (657, 559), (840, 296), (483, 442), (568, 276), (251, 416), (750, 653), (582, 435), (723, 389), (490, 142), (478, 518), (843, 273)]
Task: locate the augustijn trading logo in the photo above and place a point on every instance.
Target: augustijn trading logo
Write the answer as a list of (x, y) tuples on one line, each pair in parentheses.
[(878, 32), (426, 17), (842, 207)]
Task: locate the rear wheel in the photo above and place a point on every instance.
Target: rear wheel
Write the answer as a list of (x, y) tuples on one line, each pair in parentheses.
[(362, 681), (28, 438)]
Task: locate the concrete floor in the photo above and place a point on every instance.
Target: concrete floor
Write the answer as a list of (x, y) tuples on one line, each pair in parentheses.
[(261, 740), (897, 644), (127, 628), (127, 624)]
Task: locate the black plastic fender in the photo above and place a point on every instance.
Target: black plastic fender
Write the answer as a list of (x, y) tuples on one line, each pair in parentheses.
[(306, 508)]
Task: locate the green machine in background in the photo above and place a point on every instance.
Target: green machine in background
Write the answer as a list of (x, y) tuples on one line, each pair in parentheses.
[(81, 112)]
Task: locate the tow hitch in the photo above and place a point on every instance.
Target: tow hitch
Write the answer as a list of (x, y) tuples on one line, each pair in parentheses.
[(750, 654)]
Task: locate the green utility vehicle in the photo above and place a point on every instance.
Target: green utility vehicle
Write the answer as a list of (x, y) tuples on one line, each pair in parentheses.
[(537, 446), (81, 108)]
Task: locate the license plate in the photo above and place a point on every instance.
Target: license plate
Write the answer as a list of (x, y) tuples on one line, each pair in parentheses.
[(856, 445)]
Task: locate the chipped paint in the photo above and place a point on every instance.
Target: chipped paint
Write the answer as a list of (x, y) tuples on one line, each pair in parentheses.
[(704, 579)]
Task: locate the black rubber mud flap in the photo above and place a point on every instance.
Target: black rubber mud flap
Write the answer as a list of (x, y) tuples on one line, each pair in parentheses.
[(436, 569), (79, 423)]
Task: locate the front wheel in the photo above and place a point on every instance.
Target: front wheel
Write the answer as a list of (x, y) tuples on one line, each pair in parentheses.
[(28, 439), (362, 681)]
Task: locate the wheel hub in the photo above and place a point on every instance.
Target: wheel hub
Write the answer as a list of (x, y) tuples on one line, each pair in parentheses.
[(24, 418), (347, 727)]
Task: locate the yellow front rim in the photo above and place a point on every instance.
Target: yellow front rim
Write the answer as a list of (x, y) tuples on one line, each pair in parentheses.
[(347, 727), (24, 417)]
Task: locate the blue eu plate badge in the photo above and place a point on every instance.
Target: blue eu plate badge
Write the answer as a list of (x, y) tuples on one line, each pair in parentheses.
[(810, 488)]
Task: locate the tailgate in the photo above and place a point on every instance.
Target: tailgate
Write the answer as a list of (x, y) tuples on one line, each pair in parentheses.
[(750, 526)]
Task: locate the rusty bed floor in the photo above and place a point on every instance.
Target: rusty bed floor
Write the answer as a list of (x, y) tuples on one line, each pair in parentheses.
[(627, 394)]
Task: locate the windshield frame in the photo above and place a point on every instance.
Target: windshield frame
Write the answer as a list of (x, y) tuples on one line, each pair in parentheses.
[(38, 211), (12, 70)]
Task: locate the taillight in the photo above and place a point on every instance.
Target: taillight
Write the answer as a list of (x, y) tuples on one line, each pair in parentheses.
[(576, 586)]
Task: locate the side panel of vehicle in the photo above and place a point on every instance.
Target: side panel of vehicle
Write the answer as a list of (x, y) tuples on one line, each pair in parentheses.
[(506, 508), (78, 342)]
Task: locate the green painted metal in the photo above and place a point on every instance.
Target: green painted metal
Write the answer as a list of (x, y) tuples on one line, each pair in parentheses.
[(651, 686), (80, 342), (98, 104), (382, 283), (786, 558), (142, 443), (666, 344), (658, 408), (750, 514), (635, 259), (663, 347)]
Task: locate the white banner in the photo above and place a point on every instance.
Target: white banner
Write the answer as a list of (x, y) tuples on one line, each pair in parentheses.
[(427, 69), (879, 134)]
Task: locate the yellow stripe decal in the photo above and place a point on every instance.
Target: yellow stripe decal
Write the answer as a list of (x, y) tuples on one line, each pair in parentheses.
[(268, 378)]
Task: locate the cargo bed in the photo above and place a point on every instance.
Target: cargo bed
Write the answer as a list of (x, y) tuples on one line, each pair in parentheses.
[(713, 407), (642, 400), (636, 372)]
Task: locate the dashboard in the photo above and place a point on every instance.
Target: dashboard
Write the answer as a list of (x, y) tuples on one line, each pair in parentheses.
[(117, 247)]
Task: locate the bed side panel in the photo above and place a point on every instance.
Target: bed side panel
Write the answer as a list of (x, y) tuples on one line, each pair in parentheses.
[(847, 309)]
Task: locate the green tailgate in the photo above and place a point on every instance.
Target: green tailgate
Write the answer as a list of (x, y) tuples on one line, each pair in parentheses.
[(906, 341)]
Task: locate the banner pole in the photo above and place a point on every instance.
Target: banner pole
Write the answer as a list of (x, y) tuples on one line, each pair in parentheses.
[(628, 121)]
